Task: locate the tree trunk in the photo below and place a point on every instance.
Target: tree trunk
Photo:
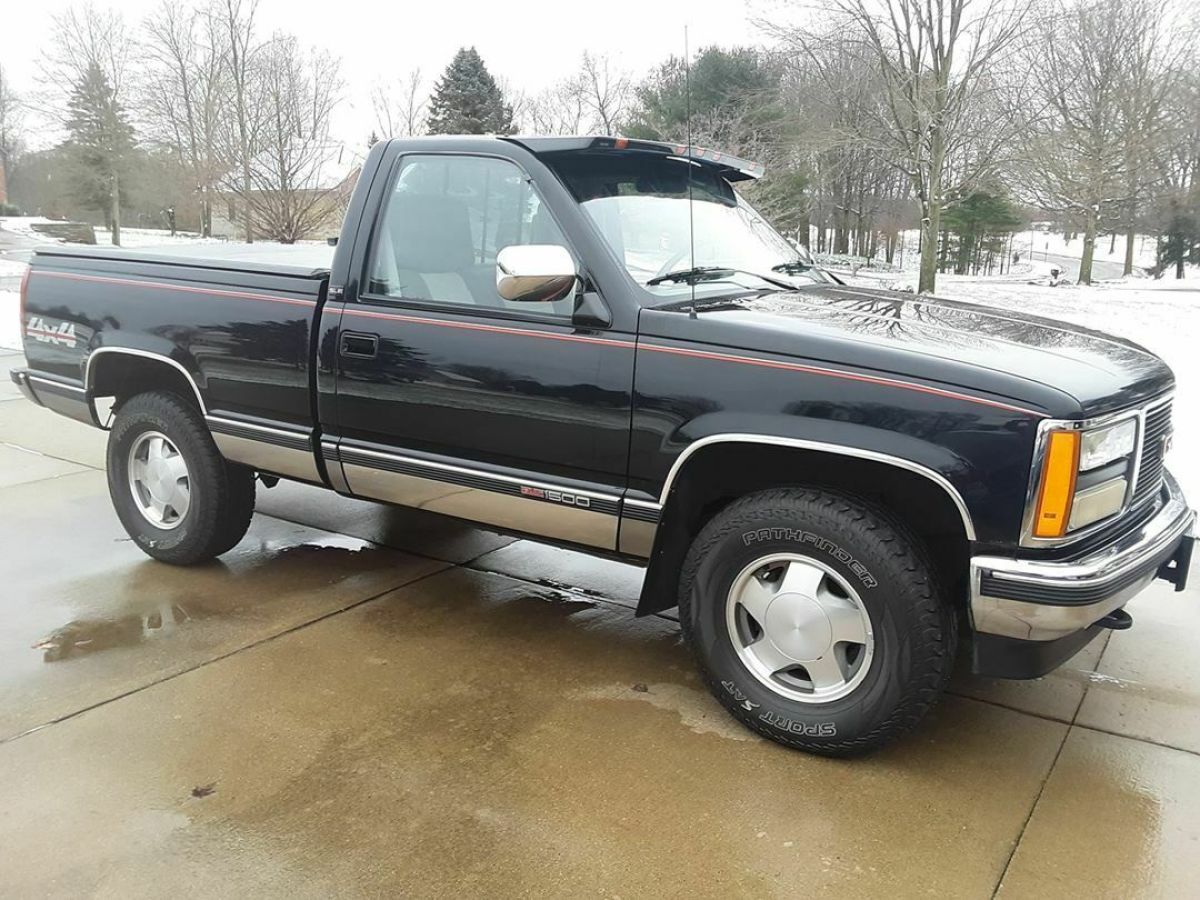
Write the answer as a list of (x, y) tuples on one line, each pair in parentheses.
[(205, 212), (1128, 267), (1089, 246), (930, 225), (114, 205), (248, 219)]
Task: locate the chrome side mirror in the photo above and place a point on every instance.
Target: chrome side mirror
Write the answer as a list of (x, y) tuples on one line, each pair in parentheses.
[(534, 273)]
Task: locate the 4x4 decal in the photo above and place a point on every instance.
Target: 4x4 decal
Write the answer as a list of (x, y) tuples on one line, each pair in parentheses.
[(62, 334)]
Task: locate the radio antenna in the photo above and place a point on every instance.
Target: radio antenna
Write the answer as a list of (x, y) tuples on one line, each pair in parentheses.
[(687, 111)]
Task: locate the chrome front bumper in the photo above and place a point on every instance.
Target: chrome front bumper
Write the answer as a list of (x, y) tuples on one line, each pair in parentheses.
[(1036, 600)]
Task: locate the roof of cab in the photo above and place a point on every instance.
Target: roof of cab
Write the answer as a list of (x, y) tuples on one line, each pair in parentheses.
[(731, 168)]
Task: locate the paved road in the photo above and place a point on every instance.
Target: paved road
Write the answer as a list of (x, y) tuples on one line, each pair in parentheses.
[(361, 701), (1101, 269)]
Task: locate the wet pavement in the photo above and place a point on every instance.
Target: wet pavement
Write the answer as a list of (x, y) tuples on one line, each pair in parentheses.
[(365, 701)]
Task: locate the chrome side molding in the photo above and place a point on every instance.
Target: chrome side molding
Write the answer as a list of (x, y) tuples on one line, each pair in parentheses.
[(145, 354), (840, 449), (276, 450)]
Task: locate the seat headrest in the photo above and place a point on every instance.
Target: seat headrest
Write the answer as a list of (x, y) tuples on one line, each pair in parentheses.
[(431, 233)]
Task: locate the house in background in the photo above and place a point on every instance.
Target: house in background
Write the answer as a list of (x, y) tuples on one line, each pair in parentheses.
[(291, 200)]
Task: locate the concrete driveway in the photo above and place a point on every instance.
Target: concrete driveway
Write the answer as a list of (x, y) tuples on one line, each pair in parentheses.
[(364, 701)]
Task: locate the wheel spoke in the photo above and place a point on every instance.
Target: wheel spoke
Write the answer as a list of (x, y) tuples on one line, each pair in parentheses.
[(137, 468), (771, 657), (180, 499), (825, 672), (755, 596), (845, 620), (157, 505), (176, 467), (156, 448), (802, 578)]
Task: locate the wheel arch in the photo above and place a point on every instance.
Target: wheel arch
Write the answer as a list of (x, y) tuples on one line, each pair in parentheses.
[(122, 372), (714, 471)]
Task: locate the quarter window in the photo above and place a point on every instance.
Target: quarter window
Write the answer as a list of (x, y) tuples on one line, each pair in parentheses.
[(445, 220)]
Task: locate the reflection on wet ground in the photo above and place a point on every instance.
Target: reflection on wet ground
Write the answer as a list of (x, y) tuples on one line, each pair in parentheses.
[(360, 701), (93, 635)]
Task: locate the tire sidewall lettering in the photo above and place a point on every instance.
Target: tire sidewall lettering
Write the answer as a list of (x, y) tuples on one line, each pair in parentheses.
[(818, 542)]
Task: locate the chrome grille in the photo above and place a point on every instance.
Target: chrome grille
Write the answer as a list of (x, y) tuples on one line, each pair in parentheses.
[(1150, 466)]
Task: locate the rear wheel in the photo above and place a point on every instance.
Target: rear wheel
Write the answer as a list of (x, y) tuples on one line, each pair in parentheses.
[(816, 620), (174, 493)]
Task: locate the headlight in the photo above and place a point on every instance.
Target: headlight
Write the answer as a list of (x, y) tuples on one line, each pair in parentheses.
[(1105, 445), (1084, 478)]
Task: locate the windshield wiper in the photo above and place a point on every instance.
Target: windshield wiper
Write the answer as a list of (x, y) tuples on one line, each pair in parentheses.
[(794, 267), (715, 273)]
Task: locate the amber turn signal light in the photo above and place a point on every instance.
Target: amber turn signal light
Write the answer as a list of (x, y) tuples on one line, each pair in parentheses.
[(1058, 485)]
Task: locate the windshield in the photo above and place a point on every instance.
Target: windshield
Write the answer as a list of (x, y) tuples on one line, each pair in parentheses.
[(639, 201)]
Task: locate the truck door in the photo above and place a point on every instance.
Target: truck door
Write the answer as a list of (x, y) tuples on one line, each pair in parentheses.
[(450, 398)]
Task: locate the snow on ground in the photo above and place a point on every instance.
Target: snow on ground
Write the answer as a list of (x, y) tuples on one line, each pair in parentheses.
[(1041, 239), (23, 225), (10, 320)]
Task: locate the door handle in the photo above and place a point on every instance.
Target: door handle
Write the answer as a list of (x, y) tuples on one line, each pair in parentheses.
[(355, 343)]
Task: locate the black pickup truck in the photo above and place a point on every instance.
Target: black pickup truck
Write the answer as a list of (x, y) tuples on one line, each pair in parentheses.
[(597, 342)]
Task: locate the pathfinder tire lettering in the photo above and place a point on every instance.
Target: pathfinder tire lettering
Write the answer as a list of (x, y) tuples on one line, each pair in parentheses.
[(799, 535)]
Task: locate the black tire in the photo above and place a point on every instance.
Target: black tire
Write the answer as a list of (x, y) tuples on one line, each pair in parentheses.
[(221, 493), (914, 631)]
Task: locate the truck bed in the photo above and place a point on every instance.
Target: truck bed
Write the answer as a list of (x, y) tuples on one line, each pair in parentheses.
[(240, 331)]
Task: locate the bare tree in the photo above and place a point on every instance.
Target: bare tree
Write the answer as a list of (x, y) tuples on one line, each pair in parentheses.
[(1100, 82), (559, 109), (1159, 54), (943, 124), (185, 88), (293, 176), (400, 105), (594, 99), (604, 92), (10, 131), (241, 68)]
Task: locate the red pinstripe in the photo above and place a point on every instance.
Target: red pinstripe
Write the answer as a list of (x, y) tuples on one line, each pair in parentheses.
[(838, 373), (474, 326), (50, 334), (571, 338), (183, 288)]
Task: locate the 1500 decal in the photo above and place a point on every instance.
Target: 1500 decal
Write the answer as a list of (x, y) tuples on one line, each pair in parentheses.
[(551, 496)]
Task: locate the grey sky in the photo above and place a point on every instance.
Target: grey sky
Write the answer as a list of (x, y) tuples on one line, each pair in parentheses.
[(528, 43)]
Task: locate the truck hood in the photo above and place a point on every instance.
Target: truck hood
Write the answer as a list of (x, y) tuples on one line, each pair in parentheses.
[(1065, 369)]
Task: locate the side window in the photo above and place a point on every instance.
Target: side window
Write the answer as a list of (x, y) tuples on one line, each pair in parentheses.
[(445, 220)]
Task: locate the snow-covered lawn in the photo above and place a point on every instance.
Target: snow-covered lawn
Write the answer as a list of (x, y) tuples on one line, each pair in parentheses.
[(10, 320)]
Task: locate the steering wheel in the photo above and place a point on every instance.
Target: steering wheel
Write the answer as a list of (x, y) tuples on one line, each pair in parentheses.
[(670, 264)]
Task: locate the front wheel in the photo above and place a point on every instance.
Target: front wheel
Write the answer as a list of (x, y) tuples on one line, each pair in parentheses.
[(817, 620), (177, 497)]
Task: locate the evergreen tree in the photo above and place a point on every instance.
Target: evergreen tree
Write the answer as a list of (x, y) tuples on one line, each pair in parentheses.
[(99, 146), (467, 100)]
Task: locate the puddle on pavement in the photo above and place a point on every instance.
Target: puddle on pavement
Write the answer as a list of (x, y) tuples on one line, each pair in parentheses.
[(560, 599), (696, 709), (343, 542), (145, 621), (1132, 688), (86, 636)]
